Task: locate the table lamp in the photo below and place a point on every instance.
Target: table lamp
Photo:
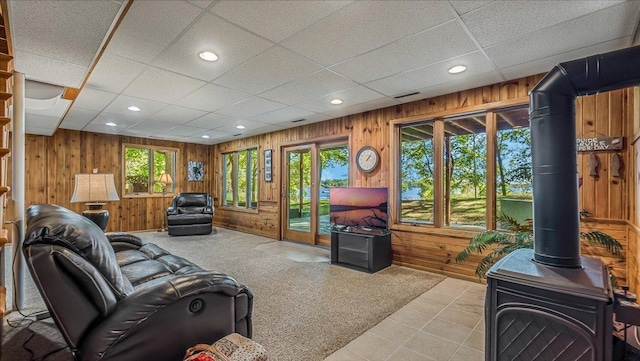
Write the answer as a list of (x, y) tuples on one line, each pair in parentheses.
[(94, 189), (164, 179)]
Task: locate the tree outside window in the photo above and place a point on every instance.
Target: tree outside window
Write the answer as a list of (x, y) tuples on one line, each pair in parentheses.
[(240, 172), (144, 165)]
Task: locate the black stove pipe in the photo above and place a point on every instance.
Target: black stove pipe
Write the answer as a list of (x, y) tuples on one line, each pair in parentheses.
[(556, 219)]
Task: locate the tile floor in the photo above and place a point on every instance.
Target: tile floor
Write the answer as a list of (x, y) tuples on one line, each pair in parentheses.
[(445, 323)]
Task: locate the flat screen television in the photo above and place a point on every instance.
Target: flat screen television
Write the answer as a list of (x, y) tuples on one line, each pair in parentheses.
[(359, 207)]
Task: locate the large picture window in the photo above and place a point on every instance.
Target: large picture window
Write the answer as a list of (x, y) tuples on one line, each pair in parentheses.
[(143, 166), (240, 172), (465, 153), (417, 173), (464, 170), (513, 165)]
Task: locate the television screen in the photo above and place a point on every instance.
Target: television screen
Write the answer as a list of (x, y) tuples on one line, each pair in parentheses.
[(358, 207)]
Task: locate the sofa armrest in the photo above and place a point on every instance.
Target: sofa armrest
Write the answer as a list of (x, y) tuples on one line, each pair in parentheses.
[(172, 211), (124, 241), (208, 210)]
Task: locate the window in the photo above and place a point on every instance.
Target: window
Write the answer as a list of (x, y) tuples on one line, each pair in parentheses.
[(444, 163), (143, 167), (513, 165), (417, 177), (465, 164), (240, 179)]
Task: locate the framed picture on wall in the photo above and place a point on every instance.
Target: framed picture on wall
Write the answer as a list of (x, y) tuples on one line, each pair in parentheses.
[(267, 165), (195, 173)]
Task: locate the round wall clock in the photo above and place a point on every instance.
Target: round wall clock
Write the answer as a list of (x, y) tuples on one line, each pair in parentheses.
[(367, 159)]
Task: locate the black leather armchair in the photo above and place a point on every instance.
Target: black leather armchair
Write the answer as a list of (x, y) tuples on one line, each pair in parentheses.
[(190, 214), (114, 297)]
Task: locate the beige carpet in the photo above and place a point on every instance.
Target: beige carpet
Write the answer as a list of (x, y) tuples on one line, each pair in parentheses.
[(302, 310)]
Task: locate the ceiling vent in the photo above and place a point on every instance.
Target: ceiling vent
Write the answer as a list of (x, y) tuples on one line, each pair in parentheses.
[(237, 135), (298, 120), (406, 95)]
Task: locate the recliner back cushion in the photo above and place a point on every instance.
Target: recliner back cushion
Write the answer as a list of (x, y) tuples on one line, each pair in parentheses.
[(52, 224), (191, 200), (191, 210)]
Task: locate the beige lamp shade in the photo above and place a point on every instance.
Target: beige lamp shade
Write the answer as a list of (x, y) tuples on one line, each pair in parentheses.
[(165, 178), (94, 187)]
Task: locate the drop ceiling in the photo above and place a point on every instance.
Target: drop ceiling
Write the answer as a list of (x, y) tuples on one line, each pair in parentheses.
[(282, 61)]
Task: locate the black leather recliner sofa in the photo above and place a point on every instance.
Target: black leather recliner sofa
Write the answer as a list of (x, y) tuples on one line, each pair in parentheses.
[(114, 297), (190, 214)]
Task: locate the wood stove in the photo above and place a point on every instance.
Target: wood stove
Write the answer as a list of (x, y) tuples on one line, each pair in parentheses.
[(550, 303)]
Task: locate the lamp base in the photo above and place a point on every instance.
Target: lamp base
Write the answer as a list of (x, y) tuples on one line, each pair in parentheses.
[(98, 216)]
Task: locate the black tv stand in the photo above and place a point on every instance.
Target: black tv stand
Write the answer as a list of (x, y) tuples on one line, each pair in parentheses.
[(368, 251)]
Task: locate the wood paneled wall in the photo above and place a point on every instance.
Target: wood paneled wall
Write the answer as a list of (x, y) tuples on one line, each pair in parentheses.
[(632, 168), (435, 249), (52, 163)]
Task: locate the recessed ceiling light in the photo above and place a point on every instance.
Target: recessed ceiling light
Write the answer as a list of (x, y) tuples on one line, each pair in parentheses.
[(240, 126), (336, 101), (111, 124), (208, 56), (457, 69), (134, 108), (205, 136)]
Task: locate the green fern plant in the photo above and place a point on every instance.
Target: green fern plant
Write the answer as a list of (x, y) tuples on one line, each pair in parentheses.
[(520, 235)]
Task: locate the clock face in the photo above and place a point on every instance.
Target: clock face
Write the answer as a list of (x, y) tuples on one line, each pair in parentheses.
[(367, 159)]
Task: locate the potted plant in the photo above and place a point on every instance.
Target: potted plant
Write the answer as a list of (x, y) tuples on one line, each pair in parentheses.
[(517, 236)]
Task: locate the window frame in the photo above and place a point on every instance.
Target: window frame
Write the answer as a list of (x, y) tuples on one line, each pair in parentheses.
[(150, 191), (235, 181), (438, 119)]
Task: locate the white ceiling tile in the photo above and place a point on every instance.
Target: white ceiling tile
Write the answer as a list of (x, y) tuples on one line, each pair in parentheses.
[(213, 134), (57, 110), (370, 23), (544, 65), (104, 129), (471, 82), (313, 86), (283, 115), (203, 4), (505, 20), (266, 129), (66, 124), (47, 70), (41, 121), (250, 107), (266, 17), (212, 97), (613, 23), (161, 85), (232, 44), (80, 116), (134, 133), (174, 114), (362, 107), (349, 97), (92, 99), (68, 31), (152, 126), (431, 75), (211, 121), (122, 122), (184, 131), (430, 46), (311, 119), (464, 6), (120, 104), (249, 125), (268, 70), (149, 27), (39, 131), (113, 73)]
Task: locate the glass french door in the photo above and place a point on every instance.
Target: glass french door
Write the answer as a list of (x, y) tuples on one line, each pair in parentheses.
[(310, 171)]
